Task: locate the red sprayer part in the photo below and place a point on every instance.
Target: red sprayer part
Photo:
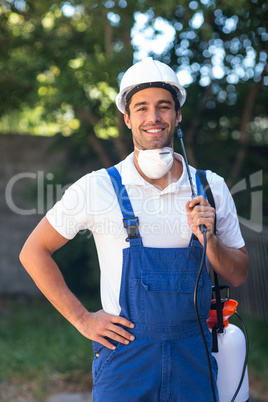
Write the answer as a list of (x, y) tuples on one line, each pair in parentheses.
[(229, 308)]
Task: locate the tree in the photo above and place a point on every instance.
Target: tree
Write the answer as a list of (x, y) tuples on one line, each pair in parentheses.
[(61, 62), (63, 59)]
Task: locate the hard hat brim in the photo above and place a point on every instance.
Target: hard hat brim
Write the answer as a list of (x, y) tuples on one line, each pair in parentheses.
[(176, 90)]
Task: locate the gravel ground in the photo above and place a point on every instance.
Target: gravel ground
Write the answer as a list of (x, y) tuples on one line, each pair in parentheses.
[(71, 397), (87, 397)]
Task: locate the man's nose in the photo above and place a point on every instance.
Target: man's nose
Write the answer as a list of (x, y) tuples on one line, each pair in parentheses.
[(154, 115)]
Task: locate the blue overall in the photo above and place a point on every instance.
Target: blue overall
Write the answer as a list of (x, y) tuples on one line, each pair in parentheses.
[(167, 360)]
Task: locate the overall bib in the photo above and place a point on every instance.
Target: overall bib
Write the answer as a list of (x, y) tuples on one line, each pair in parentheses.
[(167, 360)]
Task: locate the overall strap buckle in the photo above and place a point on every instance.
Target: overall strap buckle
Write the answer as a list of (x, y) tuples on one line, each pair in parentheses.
[(131, 225)]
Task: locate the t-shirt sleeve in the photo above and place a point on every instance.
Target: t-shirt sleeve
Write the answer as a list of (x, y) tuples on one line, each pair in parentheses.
[(72, 213), (227, 223)]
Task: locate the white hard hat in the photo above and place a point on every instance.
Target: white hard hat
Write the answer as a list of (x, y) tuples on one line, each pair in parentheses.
[(149, 73)]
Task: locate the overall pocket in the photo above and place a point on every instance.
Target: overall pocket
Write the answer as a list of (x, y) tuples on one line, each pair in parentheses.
[(168, 297), (102, 357)]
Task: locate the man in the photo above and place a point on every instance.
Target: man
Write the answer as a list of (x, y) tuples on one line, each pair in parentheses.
[(147, 342)]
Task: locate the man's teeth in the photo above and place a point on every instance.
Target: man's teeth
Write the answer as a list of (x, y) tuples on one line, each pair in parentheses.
[(156, 130)]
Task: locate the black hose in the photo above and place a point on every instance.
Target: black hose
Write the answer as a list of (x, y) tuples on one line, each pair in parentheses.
[(198, 318)]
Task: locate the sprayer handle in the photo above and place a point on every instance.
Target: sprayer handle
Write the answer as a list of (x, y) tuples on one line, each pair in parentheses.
[(202, 227)]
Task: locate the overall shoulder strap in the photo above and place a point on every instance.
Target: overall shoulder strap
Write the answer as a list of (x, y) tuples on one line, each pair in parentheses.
[(130, 221), (203, 188)]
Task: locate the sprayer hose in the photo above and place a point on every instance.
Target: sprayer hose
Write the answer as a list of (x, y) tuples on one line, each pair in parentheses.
[(198, 318)]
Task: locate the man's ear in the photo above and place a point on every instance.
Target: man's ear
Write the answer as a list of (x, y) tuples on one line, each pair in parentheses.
[(178, 117), (127, 120)]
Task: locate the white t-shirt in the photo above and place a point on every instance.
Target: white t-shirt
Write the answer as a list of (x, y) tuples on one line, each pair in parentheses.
[(91, 203)]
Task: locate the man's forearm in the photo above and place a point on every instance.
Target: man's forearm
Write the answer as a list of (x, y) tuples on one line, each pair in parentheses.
[(230, 263)]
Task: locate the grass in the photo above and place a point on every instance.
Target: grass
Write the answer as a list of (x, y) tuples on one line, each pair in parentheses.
[(39, 348), (41, 353)]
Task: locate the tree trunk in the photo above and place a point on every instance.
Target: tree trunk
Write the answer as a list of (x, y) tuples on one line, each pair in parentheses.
[(88, 119), (100, 151), (120, 143), (246, 117)]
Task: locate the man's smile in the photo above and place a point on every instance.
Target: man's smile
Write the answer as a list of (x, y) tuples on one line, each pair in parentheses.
[(155, 130)]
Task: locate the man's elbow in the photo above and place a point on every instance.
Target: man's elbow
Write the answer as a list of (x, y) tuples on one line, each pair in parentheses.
[(243, 274), (24, 256), (28, 253), (240, 280)]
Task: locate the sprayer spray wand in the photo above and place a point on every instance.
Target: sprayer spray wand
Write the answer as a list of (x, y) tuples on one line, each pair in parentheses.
[(202, 227), (180, 135)]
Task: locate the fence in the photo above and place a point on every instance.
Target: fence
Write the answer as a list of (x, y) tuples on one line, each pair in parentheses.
[(252, 296)]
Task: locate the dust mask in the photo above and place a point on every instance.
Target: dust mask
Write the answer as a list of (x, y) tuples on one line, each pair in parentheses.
[(155, 163)]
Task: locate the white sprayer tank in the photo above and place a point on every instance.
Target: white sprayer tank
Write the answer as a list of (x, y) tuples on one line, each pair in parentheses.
[(230, 357)]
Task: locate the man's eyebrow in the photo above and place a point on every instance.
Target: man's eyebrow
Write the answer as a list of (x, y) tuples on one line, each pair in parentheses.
[(144, 103), (164, 101), (138, 104)]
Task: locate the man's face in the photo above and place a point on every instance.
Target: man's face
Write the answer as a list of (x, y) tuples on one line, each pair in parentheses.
[(152, 118)]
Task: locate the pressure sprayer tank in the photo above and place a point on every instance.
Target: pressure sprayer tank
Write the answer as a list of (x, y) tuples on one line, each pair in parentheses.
[(230, 357)]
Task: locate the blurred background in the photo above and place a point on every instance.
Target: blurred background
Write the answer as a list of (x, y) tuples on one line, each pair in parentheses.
[(60, 66)]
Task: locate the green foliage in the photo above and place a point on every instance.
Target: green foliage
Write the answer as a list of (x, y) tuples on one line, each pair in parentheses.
[(38, 346), (64, 64)]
